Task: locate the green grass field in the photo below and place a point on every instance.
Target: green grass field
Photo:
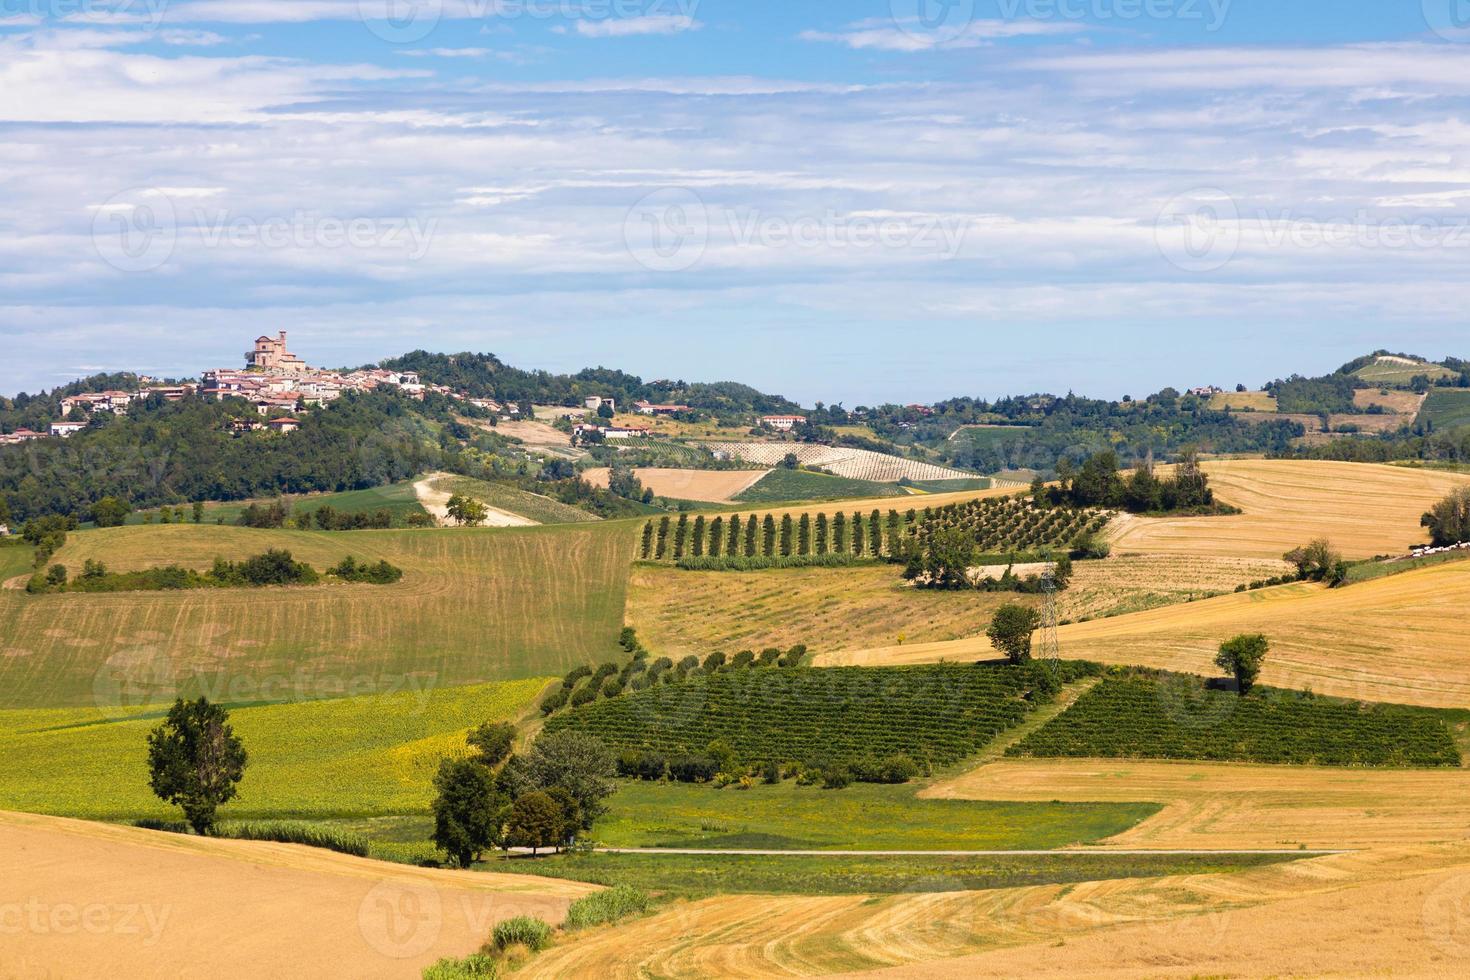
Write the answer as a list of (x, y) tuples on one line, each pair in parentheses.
[(349, 757), (784, 486), (1394, 373), (397, 498), (474, 605), (533, 506), (1446, 408), (951, 486), (695, 876), (861, 817)]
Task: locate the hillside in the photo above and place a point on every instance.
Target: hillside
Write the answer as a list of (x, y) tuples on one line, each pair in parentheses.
[(474, 605), (855, 464)]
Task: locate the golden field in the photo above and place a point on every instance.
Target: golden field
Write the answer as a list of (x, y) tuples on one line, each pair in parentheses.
[(1399, 639), (1237, 401), (1132, 583), (475, 604), (1395, 402), (1364, 509), (709, 486), (1216, 805), (901, 503), (1358, 913), (117, 901), (678, 612)]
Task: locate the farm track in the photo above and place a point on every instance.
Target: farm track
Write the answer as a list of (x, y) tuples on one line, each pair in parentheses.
[(436, 502)]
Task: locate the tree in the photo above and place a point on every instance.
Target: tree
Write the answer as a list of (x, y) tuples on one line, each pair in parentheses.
[(790, 462), (946, 559), (697, 545), (198, 512), (1011, 629), (663, 537), (645, 550), (493, 740), (465, 510), (536, 821), (467, 810), (786, 535), (732, 547), (768, 536), (4, 513), (604, 411), (750, 536), (875, 534), (681, 534), (1449, 520), (195, 760), (580, 763), (804, 535), (1317, 561), (858, 544), (1242, 658), (716, 536), (821, 534), (839, 533), (110, 512)]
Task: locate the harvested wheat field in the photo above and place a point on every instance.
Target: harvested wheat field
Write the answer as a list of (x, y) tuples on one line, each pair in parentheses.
[(99, 900), (1228, 805), (1399, 639), (1355, 898), (1364, 509), (709, 486), (534, 433), (1240, 401), (1393, 402), (1133, 583), (678, 613)]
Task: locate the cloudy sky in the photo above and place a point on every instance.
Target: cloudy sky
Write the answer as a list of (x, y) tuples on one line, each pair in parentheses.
[(851, 201)]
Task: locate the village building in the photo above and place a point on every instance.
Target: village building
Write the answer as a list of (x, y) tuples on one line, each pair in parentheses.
[(67, 429), (19, 436), (648, 408), (782, 423), (271, 355), (595, 402), (286, 424)]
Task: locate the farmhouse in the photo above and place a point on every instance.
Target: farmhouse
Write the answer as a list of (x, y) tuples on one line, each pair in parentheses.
[(648, 408), (19, 436), (67, 429), (595, 402), (612, 431), (286, 424), (782, 423)]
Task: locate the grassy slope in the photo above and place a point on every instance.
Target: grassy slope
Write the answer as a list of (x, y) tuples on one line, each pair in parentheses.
[(1395, 373), (1446, 408), (782, 485), (534, 506), (373, 754), (398, 498), (474, 605)]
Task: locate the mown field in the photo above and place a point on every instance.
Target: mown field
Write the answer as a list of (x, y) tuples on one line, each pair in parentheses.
[(368, 755), (1399, 371), (1236, 805), (474, 605), (1364, 509), (711, 486), (396, 498), (1397, 640), (678, 612), (1133, 583), (1243, 401)]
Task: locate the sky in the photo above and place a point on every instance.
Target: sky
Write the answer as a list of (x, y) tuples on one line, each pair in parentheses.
[(856, 202)]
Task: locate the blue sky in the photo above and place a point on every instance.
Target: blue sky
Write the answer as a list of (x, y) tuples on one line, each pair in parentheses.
[(866, 201)]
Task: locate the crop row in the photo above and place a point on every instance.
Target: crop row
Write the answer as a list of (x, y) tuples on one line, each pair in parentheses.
[(1180, 718)]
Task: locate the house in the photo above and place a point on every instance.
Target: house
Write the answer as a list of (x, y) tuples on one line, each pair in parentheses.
[(648, 408), (98, 401), (271, 355), (1206, 391), (284, 424), (624, 432), (595, 402), (67, 429), (19, 436), (238, 426), (267, 403), (782, 423)]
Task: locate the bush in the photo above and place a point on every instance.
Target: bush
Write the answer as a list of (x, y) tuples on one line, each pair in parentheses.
[(693, 769), (291, 832), (476, 966), (523, 930), (166, 826), (380, 573), (605, 907), (890, 769), (554, 701), (836, 777)]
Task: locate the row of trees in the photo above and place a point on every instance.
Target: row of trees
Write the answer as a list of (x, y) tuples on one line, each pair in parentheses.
[(1098, 483), (857, 534)]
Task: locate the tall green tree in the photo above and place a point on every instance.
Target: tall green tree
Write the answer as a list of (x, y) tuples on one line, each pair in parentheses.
[(111, 512), (875, 534), (839, 533), (464, 510), (681, 535), (645, 551), (768, 536), (1011, 630), (732, 547), (492, 742), (697, 543), (580, 764), (786, 535), (750, 549), (468, 810), (1242, 658), (821, 535), (804, 535), (195, 760), (1449, 520), (663, 538), (536, 821), (858, 544), (716, 536)]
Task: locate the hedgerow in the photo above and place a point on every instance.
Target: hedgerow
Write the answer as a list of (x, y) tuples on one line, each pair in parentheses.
[(860, 718), (1180, 717)]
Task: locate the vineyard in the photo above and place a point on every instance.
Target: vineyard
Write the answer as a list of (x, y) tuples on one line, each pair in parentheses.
[(936, 715), (1178, 717), (855, 464), (1013, 524), (999, 525)]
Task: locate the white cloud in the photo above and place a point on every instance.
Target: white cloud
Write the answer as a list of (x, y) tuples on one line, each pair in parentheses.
[(881, 35), (631, 26)]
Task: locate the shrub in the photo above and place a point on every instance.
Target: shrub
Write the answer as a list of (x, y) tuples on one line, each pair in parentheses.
[(605, 907), (890, 769), (836, 777), (476, 966), (166, 826), (554, 701), (292, 832), (523, 930), (693, 769)]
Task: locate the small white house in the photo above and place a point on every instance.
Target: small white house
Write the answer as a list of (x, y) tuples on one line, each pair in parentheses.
[(67, 429), (595, 402), (782, 423)]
